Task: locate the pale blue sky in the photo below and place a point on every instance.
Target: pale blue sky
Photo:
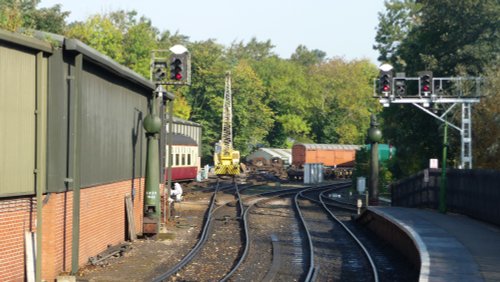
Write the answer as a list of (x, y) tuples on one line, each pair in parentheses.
[(339, 28)]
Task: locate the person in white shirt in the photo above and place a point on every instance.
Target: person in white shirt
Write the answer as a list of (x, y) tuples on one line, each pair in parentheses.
[(175, 196), (176, 193)]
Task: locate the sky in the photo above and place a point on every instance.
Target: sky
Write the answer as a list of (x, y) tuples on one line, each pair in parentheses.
[(340, 28)]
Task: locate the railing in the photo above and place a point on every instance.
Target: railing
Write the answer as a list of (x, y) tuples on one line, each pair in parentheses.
[(475, 193)]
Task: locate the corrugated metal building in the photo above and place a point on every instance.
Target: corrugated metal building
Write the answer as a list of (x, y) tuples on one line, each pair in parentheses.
[(23, 113), (269, 153), (69, 117)]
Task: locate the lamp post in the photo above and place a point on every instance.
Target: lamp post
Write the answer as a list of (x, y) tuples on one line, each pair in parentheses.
[(375, 135)]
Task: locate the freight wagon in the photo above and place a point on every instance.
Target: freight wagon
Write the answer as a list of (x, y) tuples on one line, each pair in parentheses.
[(338, 159)]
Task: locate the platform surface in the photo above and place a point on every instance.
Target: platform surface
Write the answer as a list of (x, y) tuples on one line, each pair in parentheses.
[(452, 247)]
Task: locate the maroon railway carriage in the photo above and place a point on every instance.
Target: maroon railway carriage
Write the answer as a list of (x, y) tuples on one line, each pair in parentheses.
[(185, 159)]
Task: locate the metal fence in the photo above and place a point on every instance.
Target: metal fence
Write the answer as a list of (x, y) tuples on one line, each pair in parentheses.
[(475, 193)]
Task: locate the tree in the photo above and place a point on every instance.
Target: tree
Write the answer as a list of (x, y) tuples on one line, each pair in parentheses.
[(486, 124), (138, 42), (307, 58), (11, 17), (253, 50), (23, 14), (47, 19), (454, 38), (102, 34), (251, 116), (342, 101), (400, 18), (167, 39)]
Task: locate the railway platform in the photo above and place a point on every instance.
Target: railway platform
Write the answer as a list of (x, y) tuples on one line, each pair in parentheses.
[(451, 247)]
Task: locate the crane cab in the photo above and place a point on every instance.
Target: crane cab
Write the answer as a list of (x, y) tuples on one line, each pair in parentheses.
[(226, 163)]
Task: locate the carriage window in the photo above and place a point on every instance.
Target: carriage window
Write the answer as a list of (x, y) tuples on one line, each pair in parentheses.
[(189, 159), (183, 159), (176, 159)]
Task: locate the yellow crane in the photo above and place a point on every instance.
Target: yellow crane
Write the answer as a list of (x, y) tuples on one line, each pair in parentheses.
[(226, 159)]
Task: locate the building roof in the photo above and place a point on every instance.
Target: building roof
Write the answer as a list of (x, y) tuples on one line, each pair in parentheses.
[(89, 53), (25, 41), (329, 146), (177, 120), (281, 153), (182, 140), (269, 153)]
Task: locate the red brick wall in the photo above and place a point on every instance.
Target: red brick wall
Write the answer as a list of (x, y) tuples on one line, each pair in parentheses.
[(102, 223), (15, 218)]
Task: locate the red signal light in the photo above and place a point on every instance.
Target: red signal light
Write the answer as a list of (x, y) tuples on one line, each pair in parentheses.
[(386, 88), (176, 68)]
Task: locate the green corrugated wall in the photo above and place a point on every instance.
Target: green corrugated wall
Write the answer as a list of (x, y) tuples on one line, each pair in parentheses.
[(18, 119)]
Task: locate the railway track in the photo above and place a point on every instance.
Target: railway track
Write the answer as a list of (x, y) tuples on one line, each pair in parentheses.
[(338, 254), (391, 265), (250, 233)]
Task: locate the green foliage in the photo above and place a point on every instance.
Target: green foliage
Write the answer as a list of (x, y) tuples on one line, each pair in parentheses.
[(486, 117), (15, 14), (454, 37), (399, 18), (138, 42), (341, 100), (251, 116), (253, 50), (102, 34), (303, 56), (285, 93), (10, 17), (48, 19), (121, 36)]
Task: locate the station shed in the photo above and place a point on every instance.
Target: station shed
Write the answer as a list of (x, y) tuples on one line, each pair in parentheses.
[(270, 153), (72, 148)]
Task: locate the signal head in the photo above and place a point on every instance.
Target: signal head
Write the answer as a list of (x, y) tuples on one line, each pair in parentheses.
[(385, 82), (425, 82), (159, 71)]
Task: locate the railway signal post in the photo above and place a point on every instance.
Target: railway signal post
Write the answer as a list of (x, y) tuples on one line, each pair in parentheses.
[(177, 61), (443, 94)]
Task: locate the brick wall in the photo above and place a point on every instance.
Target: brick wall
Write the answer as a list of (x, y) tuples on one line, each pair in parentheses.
[(16, 217), (102, 223)]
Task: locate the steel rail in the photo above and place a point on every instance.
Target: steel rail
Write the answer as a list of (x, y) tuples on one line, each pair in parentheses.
[(199, 244), (365, 251), (313, 270), (207, 223), (310, 272), (244, 254), (243, 221)]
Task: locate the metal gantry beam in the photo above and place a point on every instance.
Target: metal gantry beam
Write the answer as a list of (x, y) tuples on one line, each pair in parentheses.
[(463, 91)]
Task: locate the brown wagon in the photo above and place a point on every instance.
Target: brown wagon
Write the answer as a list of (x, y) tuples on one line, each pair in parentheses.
[(338, 159)]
